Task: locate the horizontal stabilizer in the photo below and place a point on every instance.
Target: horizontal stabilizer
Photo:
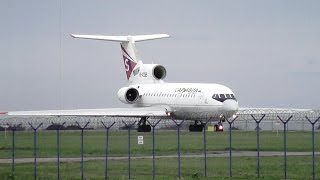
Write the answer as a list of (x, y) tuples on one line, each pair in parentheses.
[(121, 38), (149, 37)]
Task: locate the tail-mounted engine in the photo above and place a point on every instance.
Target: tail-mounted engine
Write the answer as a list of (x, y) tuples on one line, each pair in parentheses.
[(128, 95), (148, 73), (159, 72)]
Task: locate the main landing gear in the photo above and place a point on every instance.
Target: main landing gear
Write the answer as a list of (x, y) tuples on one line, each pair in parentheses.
[(142, 125), (196, 127)]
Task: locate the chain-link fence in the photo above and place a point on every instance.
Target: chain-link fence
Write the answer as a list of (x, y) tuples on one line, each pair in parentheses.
[(247, 120)]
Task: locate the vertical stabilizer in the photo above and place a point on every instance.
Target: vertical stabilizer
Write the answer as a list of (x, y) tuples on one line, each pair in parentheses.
[(129, 53)]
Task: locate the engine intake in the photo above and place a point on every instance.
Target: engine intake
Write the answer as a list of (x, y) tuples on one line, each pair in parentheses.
[(128, 95), (159, 72)]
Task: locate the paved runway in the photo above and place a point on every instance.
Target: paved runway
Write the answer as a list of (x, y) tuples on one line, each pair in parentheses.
[(209, 154)]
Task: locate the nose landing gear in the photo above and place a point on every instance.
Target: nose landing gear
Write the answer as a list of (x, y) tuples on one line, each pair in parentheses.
[(218, 127)]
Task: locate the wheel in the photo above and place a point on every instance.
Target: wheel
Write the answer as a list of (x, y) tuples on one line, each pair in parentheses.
[(216, 127), (195, 128), (144, 128), (191, 128)]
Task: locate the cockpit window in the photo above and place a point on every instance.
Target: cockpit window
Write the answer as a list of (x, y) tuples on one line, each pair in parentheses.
[(223, 97)]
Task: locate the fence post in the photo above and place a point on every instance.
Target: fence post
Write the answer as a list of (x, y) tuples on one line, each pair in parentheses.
[(13, 129), (230, 142), (179, 150), (205, 146), (153, 125), (258, 140), (107, 127), (13, 150), (313, 156), (129, 126), (285, 143), (58, 145), (82, 147), (35, 147)]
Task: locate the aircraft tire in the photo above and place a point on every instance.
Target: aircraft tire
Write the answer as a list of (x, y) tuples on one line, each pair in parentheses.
[(144, 128), (195, 128)]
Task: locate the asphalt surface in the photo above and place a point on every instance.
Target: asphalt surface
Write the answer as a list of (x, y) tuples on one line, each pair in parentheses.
[(209, 154)]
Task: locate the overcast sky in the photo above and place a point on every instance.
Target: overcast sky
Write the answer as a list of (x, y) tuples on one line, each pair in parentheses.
[(267, 52)]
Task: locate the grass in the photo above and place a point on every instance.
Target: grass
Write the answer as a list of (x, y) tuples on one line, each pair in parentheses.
[(166, 143), (192, 168)]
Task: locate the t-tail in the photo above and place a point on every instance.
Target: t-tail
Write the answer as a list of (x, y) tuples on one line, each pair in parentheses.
[(131, 60)]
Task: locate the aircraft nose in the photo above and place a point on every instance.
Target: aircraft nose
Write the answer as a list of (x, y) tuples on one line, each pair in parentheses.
[(230, 105)]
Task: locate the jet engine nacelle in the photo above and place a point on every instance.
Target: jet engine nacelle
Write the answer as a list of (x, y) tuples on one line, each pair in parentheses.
[(148, 73), (128, 95), (159, 72)]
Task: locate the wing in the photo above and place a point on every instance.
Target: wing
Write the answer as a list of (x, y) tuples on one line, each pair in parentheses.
[(111, 112)]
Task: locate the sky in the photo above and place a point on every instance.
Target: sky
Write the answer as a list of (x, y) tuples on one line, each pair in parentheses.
[(267, 52)]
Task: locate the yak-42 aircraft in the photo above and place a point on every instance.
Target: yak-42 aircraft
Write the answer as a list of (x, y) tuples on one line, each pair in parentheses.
[(150, 96)]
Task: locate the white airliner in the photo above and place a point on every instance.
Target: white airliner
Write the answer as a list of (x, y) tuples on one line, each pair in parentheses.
[(150, 96)]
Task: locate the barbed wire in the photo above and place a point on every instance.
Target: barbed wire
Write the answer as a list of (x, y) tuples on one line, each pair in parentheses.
[(95, 121)]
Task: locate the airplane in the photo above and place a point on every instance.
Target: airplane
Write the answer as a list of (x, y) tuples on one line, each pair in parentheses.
[(150, 96)]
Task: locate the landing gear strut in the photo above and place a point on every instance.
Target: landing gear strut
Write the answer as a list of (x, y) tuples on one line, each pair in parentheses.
[(142, 126), (196, 127), (218, 127)]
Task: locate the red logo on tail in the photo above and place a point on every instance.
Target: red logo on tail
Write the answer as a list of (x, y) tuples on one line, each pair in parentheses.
[(129, 63)]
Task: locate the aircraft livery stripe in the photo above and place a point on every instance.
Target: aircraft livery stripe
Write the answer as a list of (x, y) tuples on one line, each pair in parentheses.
[(126, 53)]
